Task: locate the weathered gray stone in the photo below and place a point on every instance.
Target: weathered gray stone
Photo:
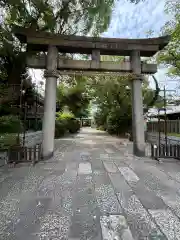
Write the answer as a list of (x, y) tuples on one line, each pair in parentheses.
[(84, 168), (51, 201), (138, 218), (128, 174), (107, 200), (110, 167), (115, 227), (168, 223)]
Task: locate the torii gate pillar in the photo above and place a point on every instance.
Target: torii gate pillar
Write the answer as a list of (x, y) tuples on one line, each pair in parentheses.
[(50, 102), (137, 106)]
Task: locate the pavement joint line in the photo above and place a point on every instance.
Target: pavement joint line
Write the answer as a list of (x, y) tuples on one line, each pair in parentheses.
[(153, 220), (168, 207)]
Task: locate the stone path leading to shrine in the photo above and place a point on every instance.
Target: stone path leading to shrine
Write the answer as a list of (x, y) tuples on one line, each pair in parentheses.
[(94, 189)]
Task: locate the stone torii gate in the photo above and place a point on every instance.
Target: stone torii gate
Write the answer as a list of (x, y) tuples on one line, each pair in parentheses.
[(54, 43)]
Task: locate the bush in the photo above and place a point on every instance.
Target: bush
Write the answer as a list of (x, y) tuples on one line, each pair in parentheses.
[(9, 140), (116, 124), (66, 122), (74, 126), (60, 128), (10, 124), (101, 128), (64, 116)]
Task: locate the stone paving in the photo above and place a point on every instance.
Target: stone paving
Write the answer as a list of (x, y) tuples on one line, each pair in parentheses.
[(93, 188)]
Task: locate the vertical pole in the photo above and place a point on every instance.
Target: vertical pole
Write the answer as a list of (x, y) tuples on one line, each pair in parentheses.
[(24, 132), (165, 119), (137, 107), (95, 55), (50, 103), (159, 131), (36, 92)]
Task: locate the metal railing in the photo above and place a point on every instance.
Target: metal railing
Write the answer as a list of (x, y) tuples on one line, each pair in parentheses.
[(163, 148)]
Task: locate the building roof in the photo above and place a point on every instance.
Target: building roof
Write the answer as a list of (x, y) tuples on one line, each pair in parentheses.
[(169, 110)]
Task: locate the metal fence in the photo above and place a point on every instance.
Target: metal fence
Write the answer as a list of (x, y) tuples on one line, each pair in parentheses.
[(172, 126), (162, 147), (163, 151)]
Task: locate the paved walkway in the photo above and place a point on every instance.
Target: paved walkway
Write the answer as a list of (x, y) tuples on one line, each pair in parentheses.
[(91, 190)]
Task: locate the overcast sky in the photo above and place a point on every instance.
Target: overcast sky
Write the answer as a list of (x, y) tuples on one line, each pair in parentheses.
[(134, 21)]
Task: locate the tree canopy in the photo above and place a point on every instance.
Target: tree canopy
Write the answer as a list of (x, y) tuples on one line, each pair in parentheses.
[(65, 17), (73, 93), (170, 56)]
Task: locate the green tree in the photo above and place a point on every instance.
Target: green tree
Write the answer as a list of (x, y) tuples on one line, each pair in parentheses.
[(170, 56), (64, 17), (74, 94), (112, 96)]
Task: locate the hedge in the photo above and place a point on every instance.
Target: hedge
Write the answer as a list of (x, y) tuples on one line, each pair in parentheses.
[(10, 124), (66, 123), (9, 140)]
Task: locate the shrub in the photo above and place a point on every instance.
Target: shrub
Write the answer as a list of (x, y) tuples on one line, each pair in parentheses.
[(66, 122), (101, 128), (74, 126), (9, 140), (62, 123), (117, 124), (10, 124), (64, 116), (60, 128)]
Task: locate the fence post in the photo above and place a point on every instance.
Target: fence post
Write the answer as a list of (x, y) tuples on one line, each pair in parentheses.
[(34, 155), (178, 152), (39, 152), (176, 122), (152, 151)]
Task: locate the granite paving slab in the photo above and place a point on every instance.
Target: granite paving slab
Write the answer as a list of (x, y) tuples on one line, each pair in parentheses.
[(93, 188)]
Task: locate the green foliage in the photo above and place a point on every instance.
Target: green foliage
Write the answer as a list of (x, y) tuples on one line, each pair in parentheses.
[(75, 96), (116, 124), (35, 125), (64, 116), (10, 124), (100, 119), (8, 140), (170, 56), (60, 128), (74, 126), (64, 17), (112, 98), (101, 128), (66, 122)]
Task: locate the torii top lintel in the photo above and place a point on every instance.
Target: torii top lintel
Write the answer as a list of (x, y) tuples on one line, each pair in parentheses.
[(39, 41)]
